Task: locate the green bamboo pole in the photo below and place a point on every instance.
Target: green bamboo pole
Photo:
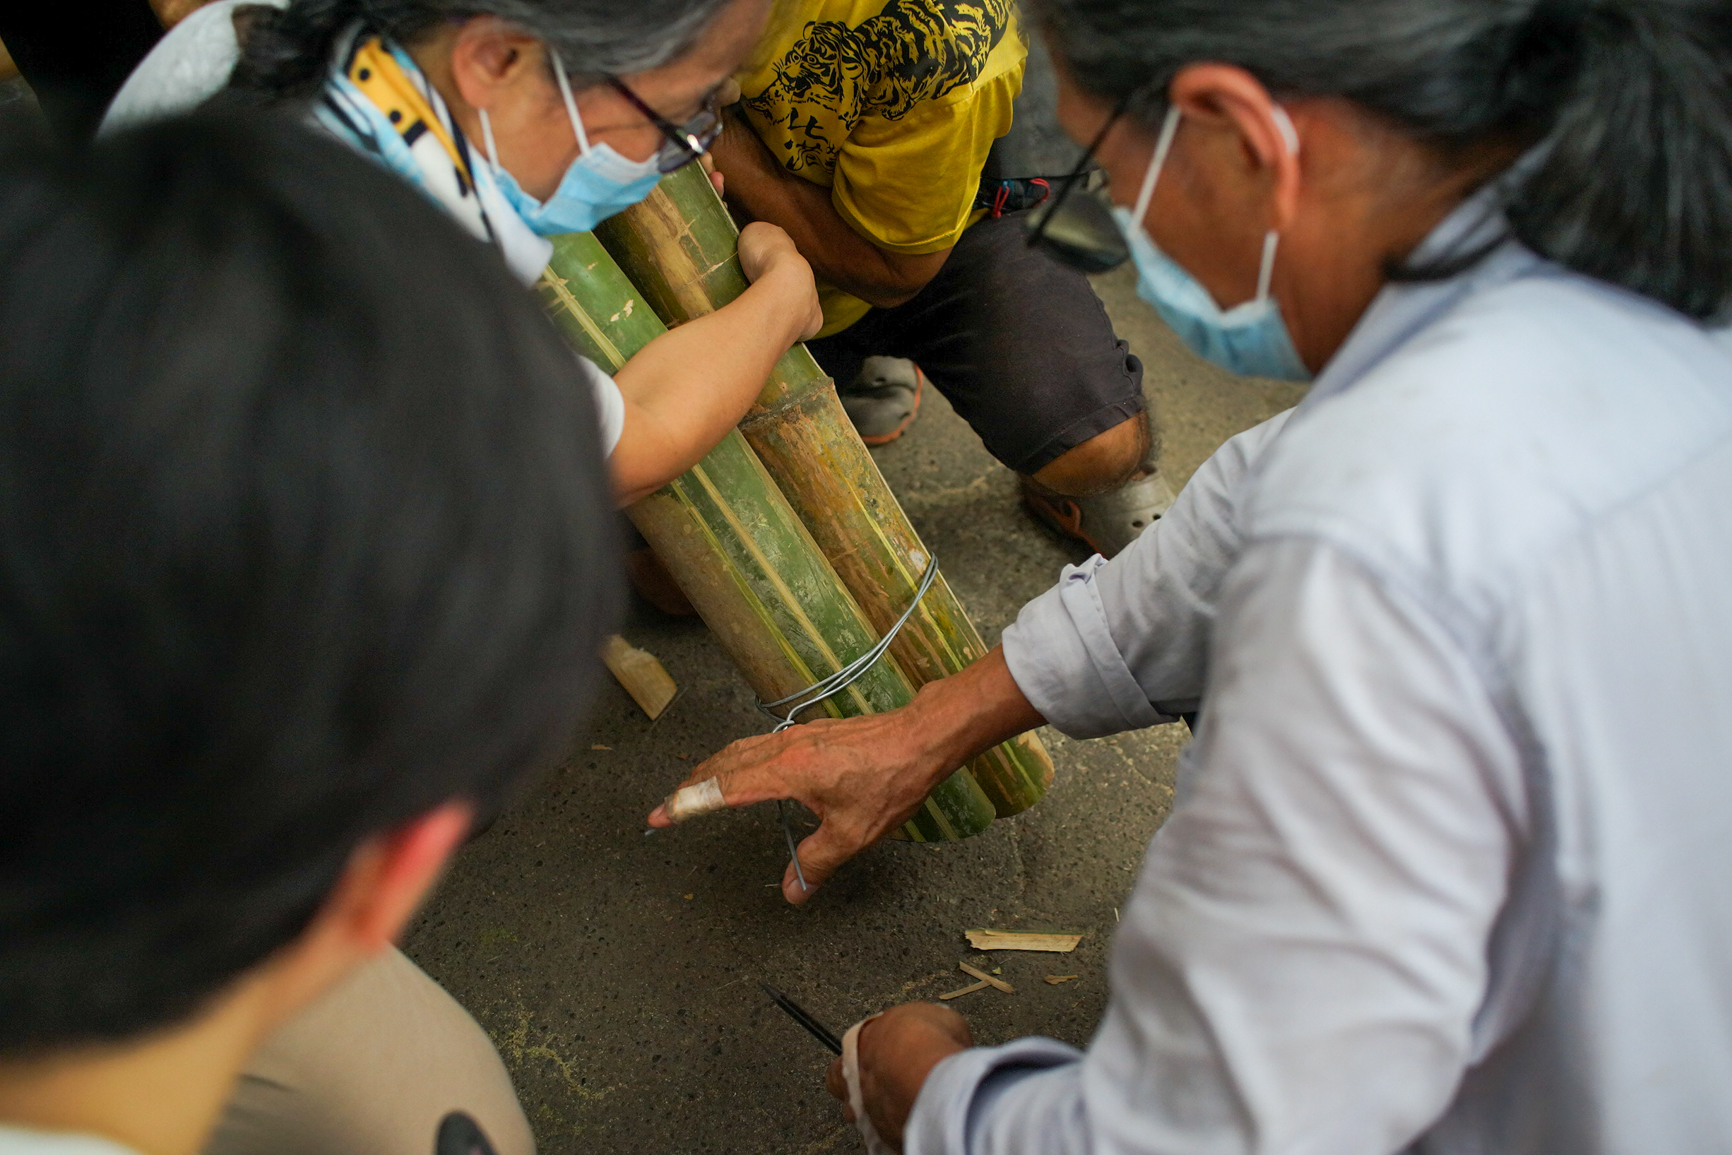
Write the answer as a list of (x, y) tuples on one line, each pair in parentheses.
[(680, 247), (739, 551)]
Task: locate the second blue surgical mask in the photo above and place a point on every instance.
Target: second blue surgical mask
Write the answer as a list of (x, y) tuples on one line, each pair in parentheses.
[(1250, 338), (598, 184)]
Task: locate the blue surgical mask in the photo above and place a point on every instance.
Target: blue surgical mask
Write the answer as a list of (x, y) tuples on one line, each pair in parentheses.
[(599, 183), (1250, 338)]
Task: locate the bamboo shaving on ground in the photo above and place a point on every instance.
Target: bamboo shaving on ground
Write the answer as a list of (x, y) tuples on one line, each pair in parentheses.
[(1054, 980), (995, 984), (967, 990), (981, 939)]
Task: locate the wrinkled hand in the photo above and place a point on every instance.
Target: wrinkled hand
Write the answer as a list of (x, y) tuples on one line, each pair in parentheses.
[(863, 777), (766, 249), (866, 776), (897, 1051)]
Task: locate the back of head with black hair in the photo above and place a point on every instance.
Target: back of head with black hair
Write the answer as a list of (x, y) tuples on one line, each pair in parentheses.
[(304, 531), (1633, 97)]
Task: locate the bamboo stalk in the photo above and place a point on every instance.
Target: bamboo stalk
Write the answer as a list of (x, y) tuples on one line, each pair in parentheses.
[(680, 247), (737, 548)]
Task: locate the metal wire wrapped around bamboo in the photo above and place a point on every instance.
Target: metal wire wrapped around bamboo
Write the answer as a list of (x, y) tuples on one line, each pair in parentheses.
[(680, 247), (739, 551)]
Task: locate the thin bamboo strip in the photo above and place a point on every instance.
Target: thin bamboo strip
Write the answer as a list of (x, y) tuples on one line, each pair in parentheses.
[(737, 548), (680, 248)]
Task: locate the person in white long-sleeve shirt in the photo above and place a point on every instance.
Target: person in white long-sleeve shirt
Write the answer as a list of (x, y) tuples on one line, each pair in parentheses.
[(1446, 870)]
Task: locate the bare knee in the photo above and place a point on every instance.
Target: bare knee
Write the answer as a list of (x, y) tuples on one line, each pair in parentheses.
[(1102, 463)]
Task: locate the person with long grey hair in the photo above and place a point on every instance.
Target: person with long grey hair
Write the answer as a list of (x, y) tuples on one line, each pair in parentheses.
[(1446, 868)]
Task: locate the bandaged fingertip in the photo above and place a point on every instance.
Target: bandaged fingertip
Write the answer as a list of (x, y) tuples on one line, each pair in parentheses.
[(691, 801)]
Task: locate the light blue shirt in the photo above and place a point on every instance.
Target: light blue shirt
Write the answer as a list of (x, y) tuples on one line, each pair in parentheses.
[(1448, 869)]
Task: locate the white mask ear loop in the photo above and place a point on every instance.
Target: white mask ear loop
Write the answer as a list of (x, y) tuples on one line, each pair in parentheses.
[(487, 138), (570, 104), (1163, 145), (1289, 137)]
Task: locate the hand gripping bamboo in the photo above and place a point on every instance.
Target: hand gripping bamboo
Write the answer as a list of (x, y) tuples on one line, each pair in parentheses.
[(739, 551), (680, 248)]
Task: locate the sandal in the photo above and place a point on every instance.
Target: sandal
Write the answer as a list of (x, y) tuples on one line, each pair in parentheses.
[(1106, 522), (883, 398)]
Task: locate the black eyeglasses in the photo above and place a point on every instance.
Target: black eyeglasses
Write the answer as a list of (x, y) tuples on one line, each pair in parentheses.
[(1083, 235), (685, 142)]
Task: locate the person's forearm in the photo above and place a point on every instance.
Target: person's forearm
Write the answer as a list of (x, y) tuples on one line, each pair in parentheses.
[(688, 387), (970, 712), (765, 191)]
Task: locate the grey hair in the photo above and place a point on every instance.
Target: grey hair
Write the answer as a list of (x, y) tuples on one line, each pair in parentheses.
[(1634, 98), (288, 50)]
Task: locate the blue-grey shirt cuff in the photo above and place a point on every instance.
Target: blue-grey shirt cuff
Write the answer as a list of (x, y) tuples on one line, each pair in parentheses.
[(956, 1107), (1064, 659)]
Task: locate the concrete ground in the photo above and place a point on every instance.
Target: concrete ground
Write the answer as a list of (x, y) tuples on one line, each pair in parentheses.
[(618, 973)]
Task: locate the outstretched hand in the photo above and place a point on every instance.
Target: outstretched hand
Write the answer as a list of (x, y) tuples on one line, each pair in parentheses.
[(863, 777)]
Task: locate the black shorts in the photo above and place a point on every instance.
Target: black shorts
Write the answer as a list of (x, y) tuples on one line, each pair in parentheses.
[(1018, 343)]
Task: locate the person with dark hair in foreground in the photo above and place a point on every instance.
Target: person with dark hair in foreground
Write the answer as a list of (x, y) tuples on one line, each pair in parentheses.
[(305, 551), (1446, 871)]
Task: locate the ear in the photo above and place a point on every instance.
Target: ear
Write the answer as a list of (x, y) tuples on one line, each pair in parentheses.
[(1226, 97), (490, 57), (390, 874)]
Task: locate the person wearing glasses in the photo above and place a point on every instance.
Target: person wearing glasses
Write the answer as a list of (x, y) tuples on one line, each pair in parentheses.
[(1446, 868), (863, 129), (526, 119)]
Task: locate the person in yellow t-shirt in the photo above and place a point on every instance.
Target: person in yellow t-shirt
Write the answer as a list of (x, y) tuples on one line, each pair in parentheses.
[(863, 129)]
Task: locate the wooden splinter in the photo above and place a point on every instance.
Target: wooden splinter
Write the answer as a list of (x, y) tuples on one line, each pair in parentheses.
[(994, 983), (640, 673), (968, 990), (981, 939)]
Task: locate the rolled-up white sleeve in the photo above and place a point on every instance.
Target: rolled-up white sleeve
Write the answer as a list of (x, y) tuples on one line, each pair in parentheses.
[(609, 404), (1304, 954), (1122, 644)]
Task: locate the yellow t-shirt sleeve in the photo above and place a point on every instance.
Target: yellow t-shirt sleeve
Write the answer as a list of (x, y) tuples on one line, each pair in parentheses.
[(908, 185)]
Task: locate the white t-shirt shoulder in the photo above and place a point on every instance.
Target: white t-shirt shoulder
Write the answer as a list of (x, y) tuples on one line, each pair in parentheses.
[(27, 1141), (188, 66), (609, 404)]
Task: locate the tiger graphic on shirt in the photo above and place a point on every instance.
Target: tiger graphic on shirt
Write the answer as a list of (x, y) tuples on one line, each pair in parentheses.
[(835, 75)]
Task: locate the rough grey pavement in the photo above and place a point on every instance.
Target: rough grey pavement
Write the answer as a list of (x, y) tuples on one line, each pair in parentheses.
[(619, 974)]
